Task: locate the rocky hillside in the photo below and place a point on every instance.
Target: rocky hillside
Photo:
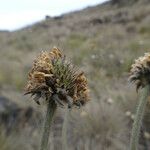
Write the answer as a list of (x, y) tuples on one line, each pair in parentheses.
[(102, 40)]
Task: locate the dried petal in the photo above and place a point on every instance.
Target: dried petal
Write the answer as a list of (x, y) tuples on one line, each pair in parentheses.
[(52, 74), (140, 71)]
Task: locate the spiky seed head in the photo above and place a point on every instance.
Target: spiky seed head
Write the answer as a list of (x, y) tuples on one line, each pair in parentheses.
[(53, 74), (140, 71)]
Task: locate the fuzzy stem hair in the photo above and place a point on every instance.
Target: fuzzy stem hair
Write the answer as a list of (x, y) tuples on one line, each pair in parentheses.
[(64, 131), (139, 117), (51, 108)]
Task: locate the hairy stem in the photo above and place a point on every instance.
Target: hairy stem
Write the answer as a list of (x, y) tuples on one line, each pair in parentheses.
[(51, 108), (138, 118), (64, 130)]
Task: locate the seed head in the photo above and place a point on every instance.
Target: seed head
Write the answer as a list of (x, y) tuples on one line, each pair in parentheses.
[(140, 71), (52, 74)]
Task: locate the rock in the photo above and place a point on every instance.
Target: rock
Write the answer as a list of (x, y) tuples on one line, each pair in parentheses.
[(14, 117), (6, 105), (58, 17), (96, 21), (47, 17)]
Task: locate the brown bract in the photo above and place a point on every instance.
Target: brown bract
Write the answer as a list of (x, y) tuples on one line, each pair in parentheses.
[(140, 71), (52, 74)]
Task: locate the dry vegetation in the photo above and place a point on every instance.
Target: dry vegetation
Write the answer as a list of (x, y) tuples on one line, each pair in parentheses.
[(103, 41)]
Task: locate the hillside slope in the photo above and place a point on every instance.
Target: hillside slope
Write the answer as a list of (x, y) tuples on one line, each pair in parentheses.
[(102, 30), (103, 41)]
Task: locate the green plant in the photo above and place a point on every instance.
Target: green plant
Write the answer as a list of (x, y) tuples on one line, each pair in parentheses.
[(64, 131), (51, 108), (76, 40), (57, 81), (140, 73)]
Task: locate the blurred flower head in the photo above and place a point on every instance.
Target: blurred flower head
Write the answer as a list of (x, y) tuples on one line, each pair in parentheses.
[(140, 71), (52, 74)]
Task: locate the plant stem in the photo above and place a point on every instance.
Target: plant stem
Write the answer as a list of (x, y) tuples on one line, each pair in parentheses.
[(138, 118), (64, 130), (51, 108)]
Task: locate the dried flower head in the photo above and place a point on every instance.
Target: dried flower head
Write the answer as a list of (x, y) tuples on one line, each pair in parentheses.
[(140, 71), (53, 74)]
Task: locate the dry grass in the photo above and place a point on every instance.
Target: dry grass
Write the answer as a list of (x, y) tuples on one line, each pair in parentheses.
[(95, 128), (103, 41)]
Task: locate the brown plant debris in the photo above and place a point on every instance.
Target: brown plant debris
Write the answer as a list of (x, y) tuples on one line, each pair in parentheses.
[(140, 71), (52, 74)]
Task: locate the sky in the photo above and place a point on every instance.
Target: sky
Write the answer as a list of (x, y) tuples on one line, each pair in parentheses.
[(15, 14)]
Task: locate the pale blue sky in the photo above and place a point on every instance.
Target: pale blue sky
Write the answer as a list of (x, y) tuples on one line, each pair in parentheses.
[(15, 14)]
